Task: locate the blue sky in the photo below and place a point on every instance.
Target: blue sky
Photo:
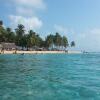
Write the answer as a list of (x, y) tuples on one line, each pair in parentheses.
[(79, 20)]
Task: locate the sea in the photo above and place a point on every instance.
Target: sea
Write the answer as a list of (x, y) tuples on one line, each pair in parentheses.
[(50, 76)]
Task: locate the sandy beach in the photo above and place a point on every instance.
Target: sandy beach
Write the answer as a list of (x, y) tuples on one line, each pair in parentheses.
[(40, 52)]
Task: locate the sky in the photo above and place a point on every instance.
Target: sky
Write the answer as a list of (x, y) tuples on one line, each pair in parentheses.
[(79, 20)]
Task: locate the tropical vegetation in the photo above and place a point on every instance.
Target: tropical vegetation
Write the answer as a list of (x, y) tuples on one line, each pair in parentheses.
[(32, 39)]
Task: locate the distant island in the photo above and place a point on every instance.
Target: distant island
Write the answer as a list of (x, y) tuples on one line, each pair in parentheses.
[(19, 40)]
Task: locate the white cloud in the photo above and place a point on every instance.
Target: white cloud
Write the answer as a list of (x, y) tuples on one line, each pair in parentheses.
[(89, 41), (60, 28), (28, 7), (24, 11), (31, 3), (29, 23), (63, 30), (95, 31)]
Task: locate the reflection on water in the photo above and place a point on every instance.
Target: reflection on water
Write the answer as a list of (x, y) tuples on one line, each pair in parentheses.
[(50, 77)]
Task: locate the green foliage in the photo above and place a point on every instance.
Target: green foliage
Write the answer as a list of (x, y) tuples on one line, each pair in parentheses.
[(49, 40), (20, 31), (1, 22), (3, 34), (72, 44), (10, 36), (57, 40), (64, 41), (32, 39)]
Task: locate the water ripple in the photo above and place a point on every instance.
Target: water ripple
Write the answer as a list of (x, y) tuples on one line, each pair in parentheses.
[(50, 77)]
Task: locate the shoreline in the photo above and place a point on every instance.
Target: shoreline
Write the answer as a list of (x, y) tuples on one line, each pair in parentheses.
[(40, 52)]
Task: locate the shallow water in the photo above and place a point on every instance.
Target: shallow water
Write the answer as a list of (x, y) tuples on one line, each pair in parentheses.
[(50, 77)]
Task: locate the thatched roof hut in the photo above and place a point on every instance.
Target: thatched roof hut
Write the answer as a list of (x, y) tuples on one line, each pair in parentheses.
[(8, 46), (0, 46)]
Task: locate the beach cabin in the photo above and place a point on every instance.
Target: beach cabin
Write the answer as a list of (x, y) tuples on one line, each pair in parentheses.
[(8, 46), (0, 47)]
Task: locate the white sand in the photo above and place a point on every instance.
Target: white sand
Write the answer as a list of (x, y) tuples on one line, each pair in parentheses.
[(40, 52)]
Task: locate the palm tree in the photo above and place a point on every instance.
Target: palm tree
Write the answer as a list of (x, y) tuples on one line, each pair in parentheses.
[(72, 44), (8, 30), (58, 40), (32, 38), (10, 35), (38, 40), (64, 41), (32, 33), (20, 32), (1, 22), (1, 27), (2, 33), (49, 40)]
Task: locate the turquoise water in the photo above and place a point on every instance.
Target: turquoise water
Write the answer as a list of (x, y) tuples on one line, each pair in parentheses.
[(50, 77)]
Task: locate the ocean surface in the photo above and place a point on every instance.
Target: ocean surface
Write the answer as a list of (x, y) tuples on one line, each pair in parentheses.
[(50, 77)]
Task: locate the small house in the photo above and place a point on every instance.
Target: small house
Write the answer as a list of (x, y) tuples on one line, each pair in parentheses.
[(0, 47), (8, 46)]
